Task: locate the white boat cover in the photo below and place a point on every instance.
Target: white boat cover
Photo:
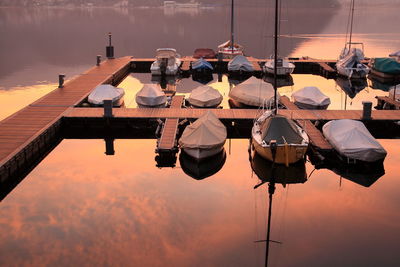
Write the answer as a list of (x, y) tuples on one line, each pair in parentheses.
[(240, 62), (311, 95), (151, 95), (105, 92), (395, 54), (394, 92), (352, 139), (205, 96), (207, 132), (254, 92), (351, 63)]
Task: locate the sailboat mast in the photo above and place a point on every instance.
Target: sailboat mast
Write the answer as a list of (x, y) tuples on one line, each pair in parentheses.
[(276, 57), (232, 33), (351, 22)]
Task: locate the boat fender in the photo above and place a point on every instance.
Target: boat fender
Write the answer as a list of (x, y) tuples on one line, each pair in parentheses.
[(273, 147)]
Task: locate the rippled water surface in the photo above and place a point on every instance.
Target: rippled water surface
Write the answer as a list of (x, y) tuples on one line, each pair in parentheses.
[(81, 207)]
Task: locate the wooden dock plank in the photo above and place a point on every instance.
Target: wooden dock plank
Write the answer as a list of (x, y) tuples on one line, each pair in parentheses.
[(245, 114)]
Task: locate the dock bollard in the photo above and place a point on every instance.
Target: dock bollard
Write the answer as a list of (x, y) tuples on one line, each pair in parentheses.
[(109, 48), (367, 110), (61, 80), (98, 60), (108, 108)]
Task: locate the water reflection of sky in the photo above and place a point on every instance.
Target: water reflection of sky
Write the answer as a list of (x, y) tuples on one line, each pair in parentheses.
[(80, 206)]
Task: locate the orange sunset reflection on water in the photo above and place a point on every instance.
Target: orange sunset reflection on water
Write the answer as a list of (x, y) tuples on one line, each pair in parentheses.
[(81, 207)]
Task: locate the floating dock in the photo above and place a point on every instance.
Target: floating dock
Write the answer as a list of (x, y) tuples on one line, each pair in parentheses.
[(29, 134)]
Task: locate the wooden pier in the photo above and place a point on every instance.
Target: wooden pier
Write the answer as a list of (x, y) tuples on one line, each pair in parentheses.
[(26, 135), (29, 134)]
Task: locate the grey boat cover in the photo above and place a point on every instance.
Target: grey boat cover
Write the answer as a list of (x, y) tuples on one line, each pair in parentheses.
[(207, 132), (105, 92), (151, 95), (395, 54), (311, 95), (394, 92), (281, 129), (352, 139), (254, 92), (240, 63), (205, 96)]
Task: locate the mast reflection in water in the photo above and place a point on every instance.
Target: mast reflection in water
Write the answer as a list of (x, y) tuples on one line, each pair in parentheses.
[(273, 173)]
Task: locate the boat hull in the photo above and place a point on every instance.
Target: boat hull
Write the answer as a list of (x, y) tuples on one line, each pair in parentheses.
[(284, 154), (280, 71), (202, 153)]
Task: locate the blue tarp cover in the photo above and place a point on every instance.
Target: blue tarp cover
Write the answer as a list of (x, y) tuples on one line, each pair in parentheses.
[(387, 65)]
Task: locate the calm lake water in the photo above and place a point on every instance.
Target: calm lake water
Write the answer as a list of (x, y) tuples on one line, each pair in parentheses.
[(79, 207)]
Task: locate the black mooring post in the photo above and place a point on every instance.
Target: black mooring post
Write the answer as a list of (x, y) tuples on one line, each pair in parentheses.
[(61, 80), (110, 48), (367, 110), (108, 108), (109, 146), (98, 60)]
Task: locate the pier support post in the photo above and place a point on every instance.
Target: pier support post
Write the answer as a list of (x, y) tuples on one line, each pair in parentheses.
[(110, 48), (108, 108), (61, 80), (98, 60), (109, 146), (367, 110)]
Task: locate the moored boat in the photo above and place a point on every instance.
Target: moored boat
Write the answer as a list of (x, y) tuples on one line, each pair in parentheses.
[(284, 67), (201, 65), (240, 64), (278, 138), (311, 97), (167, 62), (204, 138), (205, 97), (351, 139), (106, 92), (254, 92), (151, 95)]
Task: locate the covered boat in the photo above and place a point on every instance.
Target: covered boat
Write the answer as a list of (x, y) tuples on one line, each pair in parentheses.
[(167, 62), (394, 92), (279, 139), (253, 92), (311, 97), (202, 169), (204, 138), (202, 65), (386, 65), (351, 139), (395, 55), (240, 64), (204, 53), (229, 51), (284, 67), (351, 66), (151, 95), (205, 97), (106, 92)]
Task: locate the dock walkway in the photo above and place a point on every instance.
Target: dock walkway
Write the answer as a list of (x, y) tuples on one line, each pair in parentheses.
[(167, 140), (316, 137), (25, 133)]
